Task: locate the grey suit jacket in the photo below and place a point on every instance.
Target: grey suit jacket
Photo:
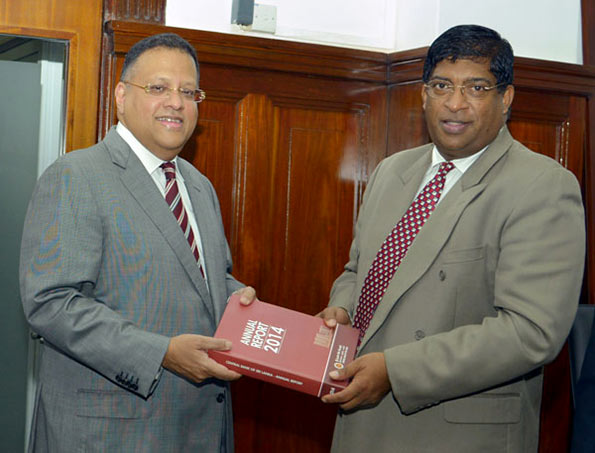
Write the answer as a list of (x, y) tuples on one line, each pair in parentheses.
[(106, 278), (485, 296)]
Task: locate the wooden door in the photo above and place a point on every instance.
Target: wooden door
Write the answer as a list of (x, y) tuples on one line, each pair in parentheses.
[(288, 172)]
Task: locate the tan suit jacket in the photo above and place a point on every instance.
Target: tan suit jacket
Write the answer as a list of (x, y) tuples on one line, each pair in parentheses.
[(484, 298)]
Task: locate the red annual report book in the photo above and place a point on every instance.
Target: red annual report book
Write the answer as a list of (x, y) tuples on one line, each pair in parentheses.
[(285, 347)]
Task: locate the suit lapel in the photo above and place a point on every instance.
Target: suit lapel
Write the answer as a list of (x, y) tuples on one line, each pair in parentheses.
[(435, 233), (203, 210), (405, 184), (142, 187)]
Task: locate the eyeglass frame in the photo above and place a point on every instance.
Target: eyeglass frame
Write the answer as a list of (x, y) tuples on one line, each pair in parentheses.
[(168, 90), (449, 93)]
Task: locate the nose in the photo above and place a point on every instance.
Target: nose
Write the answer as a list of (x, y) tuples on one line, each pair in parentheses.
[(174, 99), (457, 100)]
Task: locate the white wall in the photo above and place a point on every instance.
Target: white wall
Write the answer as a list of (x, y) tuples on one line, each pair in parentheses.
[(545, 29)]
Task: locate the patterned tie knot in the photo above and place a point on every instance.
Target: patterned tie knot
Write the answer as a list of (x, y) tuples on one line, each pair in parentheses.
[(169, 168), (444, 168)]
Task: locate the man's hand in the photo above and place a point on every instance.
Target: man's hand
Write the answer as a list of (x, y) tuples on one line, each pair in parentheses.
[(334, 315), (187, 356), (247, 295), (369, 385)]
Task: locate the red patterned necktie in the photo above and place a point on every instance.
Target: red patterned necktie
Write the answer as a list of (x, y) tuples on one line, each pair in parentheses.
[(394, 248), (174, 200)]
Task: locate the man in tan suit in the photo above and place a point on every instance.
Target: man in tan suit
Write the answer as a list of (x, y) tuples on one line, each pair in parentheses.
[(463, 295)]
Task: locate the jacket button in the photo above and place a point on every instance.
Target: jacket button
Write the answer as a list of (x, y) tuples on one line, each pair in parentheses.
[(419, 335), (441, 275), (220, 397)]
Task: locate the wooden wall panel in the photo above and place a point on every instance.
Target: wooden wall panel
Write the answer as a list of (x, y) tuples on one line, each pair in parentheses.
[(316, 190), (80, 24), (552, 124), (407, 126), (215, 132)]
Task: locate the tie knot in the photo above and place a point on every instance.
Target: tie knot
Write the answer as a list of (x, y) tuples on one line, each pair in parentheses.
[(169, 168), (444, 168)]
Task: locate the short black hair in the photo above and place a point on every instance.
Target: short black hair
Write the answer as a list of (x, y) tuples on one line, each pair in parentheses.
[(168, 40), (473, 42)]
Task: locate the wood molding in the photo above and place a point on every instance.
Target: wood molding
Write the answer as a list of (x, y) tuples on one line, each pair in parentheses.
[(263, 53), (406, 67), (144, 11), (310, 60)]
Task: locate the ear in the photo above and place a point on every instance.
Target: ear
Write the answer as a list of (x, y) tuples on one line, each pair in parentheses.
[(120, 95), (507, 98), (424, 97)]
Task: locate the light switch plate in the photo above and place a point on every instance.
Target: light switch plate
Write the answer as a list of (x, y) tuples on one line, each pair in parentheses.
[(265, 18)]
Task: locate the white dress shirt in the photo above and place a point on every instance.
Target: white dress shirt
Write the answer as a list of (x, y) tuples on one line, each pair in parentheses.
[(152, 163), (461, 166)]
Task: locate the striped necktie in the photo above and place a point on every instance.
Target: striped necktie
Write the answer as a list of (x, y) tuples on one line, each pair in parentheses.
[(394, 248), (174, 200)]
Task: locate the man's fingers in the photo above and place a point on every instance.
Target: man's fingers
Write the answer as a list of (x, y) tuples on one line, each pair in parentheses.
[(330, 322), (333, 316), (215, 344), (247, 295), (346, 373), (221, 372), (369, 384), (340, 397)]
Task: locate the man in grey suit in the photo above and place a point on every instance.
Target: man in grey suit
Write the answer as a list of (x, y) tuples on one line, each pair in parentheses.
[(489, 262), (125, 273)]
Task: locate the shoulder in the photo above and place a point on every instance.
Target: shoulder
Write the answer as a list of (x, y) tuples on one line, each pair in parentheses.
[(403, 160), (191, 173), (193, 176), (526, 165)]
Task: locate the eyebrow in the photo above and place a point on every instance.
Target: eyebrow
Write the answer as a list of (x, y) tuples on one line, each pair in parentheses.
[(166, 80), (471, 79)]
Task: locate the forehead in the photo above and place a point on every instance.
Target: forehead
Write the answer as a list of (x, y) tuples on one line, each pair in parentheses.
[(163, 62), (463, 69)]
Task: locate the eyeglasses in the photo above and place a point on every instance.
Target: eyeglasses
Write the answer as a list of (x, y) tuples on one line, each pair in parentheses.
[(161, 91), (439, 89)]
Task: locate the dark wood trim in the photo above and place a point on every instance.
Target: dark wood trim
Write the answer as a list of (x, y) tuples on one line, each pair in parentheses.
[(144, 11), (263, 53), (240, 51), (406, 67)]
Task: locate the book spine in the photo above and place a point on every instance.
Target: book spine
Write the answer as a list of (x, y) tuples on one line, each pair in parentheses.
[(265, 373)]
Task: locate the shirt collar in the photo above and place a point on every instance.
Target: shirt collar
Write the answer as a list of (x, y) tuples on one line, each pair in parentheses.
[(461, 164), (149, 160)]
